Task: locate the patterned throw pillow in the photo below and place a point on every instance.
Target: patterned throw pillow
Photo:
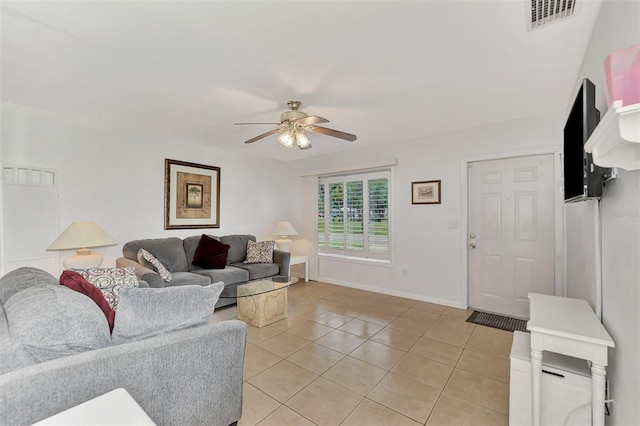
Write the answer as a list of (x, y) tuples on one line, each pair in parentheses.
[(110, 281), (147, 259), (260, 252)]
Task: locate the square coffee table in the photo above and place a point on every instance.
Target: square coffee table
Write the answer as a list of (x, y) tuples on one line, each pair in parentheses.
[(261, 302)]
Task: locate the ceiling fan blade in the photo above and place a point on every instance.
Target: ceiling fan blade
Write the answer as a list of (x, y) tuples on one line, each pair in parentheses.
[(241, 124), (335, 133), (312, 119), (264, 135)]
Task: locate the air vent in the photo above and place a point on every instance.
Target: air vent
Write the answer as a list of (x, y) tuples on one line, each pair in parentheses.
[(544, 12)]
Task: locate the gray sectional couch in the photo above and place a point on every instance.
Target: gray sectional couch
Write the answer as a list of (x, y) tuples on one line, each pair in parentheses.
[(177, 254), (56, 352)]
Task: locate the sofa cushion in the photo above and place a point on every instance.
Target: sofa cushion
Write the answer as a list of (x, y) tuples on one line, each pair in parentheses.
[(259, 270), (188, 278), (148, 312), (54, 321), (21, 278), (110, 281), (169, 251), (228, 275), (210, 253), (76, 282), (260, 252), (238, 247), (150, 261)]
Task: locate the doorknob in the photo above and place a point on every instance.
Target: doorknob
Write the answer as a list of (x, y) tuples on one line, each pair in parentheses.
[(472, 235), (472, 245)]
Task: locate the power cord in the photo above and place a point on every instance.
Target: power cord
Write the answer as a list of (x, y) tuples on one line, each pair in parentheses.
[(572, 412)]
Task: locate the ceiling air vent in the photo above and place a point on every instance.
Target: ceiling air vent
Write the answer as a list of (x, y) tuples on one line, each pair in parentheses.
[(544, 12)]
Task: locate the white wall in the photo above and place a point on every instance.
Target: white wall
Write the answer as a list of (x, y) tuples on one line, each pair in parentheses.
[(115, 177), (618, 26), (423, 245)]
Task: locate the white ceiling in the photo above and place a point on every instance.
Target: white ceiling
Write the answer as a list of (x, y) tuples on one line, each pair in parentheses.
[(387, 71)]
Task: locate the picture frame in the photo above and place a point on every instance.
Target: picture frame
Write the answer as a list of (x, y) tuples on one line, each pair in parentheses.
[(426, 192), (191, 195)]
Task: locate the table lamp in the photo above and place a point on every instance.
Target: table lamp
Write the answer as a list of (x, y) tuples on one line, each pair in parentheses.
[(284, 229), (82, 236)]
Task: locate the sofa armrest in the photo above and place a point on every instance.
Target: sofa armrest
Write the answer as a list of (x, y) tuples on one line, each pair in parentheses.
[(142, 272), (282, 258), (187, 377)]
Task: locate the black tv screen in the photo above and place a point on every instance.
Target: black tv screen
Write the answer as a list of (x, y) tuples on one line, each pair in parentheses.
[(582, 179)]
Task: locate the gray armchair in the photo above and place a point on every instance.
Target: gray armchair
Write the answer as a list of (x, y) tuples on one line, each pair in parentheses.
[(188, 376)]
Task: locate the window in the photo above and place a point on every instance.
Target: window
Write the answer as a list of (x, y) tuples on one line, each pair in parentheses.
[(353, 215)]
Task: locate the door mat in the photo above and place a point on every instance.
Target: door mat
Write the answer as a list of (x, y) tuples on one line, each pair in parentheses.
[(498, 321)]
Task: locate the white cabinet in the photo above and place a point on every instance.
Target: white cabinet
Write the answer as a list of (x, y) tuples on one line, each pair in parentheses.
[(570, 327), (565, 393)]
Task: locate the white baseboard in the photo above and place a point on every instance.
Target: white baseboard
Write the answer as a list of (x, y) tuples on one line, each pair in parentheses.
[(445, 302)]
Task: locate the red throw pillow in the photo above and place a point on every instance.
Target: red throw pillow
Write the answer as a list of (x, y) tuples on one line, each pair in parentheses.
[(211, 253), (75, 281)]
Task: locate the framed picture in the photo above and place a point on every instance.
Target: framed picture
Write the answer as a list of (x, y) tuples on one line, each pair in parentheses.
[(426, 192), (191, 195)]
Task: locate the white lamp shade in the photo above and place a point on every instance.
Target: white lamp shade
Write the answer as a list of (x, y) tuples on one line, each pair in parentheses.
[(284, 229), (81, 235)]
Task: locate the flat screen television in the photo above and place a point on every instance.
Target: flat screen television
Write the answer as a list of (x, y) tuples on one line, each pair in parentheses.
[(583, 180)]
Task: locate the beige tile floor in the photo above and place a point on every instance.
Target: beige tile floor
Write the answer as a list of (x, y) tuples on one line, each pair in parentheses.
[(351, 357)]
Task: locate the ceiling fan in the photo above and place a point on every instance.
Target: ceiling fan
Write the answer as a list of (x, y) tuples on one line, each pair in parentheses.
[(293, 127)]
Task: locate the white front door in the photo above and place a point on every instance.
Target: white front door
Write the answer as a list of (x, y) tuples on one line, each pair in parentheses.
[(511, 240)]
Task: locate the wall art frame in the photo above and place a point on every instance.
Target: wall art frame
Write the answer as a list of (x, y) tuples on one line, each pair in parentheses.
[(191, 195), (426, 192)]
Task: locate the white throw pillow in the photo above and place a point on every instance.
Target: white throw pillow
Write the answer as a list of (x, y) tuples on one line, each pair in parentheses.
[(110, 281)]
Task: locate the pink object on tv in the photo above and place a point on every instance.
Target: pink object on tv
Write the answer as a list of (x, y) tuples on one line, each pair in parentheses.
[(622, 76)]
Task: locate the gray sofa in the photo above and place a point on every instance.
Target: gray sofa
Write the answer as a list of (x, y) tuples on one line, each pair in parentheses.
[(177, 254), (191, 376)]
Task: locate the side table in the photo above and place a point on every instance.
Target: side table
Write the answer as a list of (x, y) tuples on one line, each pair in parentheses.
[(297, 260), (569, 327), (113, 408)]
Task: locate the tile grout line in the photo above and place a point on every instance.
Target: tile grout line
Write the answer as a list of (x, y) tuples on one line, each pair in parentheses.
[(369, 339)]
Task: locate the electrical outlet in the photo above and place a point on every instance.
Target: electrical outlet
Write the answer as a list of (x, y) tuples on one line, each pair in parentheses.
[(405, 273), (453, 223)]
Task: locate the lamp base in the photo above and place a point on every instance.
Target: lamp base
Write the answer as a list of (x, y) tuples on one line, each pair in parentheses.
[(283, 244), (83, 261)]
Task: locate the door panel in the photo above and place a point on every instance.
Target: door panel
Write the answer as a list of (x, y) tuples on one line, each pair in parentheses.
[(511, 239)]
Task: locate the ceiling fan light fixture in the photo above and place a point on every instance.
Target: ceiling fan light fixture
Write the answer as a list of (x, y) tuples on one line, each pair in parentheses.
[(286, 139), (302, 140), (294, 125)]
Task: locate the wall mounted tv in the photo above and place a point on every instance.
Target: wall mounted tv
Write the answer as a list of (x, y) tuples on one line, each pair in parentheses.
[(583, 180)]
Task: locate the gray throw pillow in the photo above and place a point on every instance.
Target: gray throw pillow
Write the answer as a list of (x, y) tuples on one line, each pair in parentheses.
[(50, 322), (12, 354), (148, 312), (21, 278)]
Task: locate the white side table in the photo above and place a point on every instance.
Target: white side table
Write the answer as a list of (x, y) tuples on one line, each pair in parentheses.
[(113, 408), (569, 327), (297, 260)]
